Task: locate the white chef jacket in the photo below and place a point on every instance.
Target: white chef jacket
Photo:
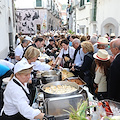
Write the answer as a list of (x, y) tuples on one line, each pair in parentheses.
[(79, 58), (7, 63), (71, 52), (19, 50), (15, 100), (39, 65)]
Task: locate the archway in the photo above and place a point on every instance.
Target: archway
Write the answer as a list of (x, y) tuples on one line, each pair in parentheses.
[(109, 25)]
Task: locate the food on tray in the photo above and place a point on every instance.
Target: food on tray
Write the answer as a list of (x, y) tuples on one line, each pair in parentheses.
[(66, 74), (78, 81), (60, 89), (66, 58)]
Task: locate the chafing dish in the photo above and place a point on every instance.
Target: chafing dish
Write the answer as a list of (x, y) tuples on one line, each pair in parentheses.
[(55, 106), (50, 76), (49, 95)]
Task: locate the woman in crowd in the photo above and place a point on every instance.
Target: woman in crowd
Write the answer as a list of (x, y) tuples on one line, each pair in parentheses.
[(31, 56), (17, 100), (66, 54), (85, 69), (102, 60)]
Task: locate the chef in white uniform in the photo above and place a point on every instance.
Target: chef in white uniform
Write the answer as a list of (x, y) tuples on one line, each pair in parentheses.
[(17, 100)]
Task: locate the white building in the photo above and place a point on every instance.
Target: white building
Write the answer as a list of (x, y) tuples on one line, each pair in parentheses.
[(38, 15), (96, 16), (7, 26), (108, 17)]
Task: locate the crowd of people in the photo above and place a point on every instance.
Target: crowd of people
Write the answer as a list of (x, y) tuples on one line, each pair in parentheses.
[(94, 59)]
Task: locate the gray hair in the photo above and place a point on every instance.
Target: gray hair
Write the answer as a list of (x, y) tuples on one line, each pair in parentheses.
[(93, 40), (76, 40)]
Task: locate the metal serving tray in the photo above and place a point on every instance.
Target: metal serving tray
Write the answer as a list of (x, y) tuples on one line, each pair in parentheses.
[(55, 106), (70, 78)]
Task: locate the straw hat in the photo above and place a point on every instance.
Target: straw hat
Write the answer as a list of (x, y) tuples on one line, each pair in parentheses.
[(102, 40), (112, 34), (102, 54)]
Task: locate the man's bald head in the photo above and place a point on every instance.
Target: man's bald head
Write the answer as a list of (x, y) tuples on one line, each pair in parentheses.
[(115, 46)]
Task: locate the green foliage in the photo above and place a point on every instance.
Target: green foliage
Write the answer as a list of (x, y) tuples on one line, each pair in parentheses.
[(71, 32), (80, 113)]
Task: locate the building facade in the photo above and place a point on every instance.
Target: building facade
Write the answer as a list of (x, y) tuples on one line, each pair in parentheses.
[(41, 15), (7, 26), (95, 16)]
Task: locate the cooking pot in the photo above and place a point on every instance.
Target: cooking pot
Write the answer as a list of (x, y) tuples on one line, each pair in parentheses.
[(72, 84), (50, 76)]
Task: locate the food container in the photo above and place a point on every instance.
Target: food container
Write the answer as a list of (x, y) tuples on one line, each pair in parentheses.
[(50, 76), (50, 95), (56, 105), (77, 80)]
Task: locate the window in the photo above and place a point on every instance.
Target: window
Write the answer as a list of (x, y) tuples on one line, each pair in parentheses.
[(38, 3), (82, 3)]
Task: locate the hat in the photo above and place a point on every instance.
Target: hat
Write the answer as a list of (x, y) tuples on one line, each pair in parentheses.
[(28, 38), (102, 54), (112, 34), (21, 65), (102, 40)]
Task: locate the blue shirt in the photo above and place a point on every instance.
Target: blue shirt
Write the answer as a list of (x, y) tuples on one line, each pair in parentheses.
[(3, 69), (70, 43)]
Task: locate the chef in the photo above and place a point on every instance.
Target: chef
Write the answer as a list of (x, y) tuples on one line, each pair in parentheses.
[(17, 100), (66, 53), (31, 56)]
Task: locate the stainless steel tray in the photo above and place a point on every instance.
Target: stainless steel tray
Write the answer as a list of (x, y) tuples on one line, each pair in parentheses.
[(70, 78), (55, 106)]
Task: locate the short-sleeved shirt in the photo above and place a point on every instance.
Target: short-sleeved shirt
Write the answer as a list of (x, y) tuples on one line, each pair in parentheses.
[(19, 50)]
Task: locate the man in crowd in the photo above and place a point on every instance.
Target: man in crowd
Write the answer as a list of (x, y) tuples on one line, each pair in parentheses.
[(78, 55), (114, 76), (19, 50)]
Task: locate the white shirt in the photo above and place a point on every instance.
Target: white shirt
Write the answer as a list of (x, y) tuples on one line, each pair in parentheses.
[(71, 52), (7, 63), (18, 41), (39, 65), (15, 100), (79, 58), (19, 50)]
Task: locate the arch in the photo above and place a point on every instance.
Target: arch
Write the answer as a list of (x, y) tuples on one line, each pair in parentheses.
[(109, 25)]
